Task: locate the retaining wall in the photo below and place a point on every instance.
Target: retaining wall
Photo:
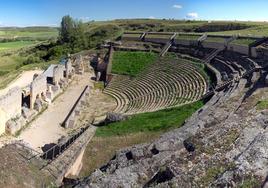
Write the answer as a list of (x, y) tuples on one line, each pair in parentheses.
[(71, 118), (242, 49), (185, 42), (68, 68), (215, 45), (156, 40), (10, 107), (239, 49)]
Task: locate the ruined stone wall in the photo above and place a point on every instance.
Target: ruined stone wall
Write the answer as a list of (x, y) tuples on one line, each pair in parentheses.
[(265, 52), (130, 38), (215, 45), (254, 52), (58, 74), (71, 118), (239, 49), (155, 40), (68, 68), (10, 107), (185, 42), (38, 87)]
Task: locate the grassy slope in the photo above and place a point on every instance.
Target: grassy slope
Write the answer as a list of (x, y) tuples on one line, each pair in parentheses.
[(139, 129), (9, 72), (160, 121), (33, 33), (101, 149), (131, 63), (255, 28), (15, 45)]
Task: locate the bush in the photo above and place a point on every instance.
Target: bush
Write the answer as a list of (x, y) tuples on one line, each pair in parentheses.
[(57, 52), (2, 73), (31, 60)]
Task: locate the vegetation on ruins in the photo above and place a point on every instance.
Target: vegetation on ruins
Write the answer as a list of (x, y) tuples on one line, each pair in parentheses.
[(160, 121), (131, 63), (262, 105), (245, 42)]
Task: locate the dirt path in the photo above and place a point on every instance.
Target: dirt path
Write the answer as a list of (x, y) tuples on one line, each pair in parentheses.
[(46, 128), (22, 81)]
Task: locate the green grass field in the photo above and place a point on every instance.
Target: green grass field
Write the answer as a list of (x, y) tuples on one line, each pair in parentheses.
[(12, 66), (160, 121), (4, 46), (29, 33), (245, 42), (132, 63)]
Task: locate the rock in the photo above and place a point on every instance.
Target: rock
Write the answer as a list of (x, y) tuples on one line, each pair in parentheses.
[(14, 125), (228, 143), (114, 117), (38, 105)]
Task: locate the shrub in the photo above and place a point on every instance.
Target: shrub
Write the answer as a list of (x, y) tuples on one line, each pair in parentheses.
[(31, 60)]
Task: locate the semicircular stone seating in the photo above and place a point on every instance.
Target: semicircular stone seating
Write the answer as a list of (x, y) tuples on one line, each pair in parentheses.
[(164, 84)]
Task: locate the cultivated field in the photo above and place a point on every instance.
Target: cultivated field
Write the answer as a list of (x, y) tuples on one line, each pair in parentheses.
[(28, 33), (4, 46)]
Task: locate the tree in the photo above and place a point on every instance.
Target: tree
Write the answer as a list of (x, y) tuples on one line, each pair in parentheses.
[(66, 29), (72, 33)]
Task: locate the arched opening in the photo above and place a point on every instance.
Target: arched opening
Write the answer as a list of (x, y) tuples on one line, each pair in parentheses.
[(25, 100)]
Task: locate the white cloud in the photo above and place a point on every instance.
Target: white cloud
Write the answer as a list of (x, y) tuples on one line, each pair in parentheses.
[(192, 15), (151, 17), (177, 6), (85, 19)]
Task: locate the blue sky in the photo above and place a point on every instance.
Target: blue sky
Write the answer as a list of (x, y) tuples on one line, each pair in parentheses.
[(49, 12)]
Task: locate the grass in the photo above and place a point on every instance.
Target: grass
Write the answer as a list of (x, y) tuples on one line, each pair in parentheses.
[(250, 182), (138, 129), (101, 149), (258, 29), (211, 174), (131, 63), (244, 42), (29, 33), (15, 45), (12, 68), (158, 25), (262, 105), (160, 121), (99, 85)]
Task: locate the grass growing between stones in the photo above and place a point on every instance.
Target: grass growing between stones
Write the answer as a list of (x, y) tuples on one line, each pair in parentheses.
[(132, 63), (250, 182), (159, 121), (262, 105), (101, 149), (99, 85)]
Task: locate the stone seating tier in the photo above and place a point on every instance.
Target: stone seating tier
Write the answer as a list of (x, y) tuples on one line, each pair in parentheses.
[(162, 85)]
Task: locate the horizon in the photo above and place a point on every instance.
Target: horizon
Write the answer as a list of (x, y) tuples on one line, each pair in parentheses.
[(166, 19), (32, 13)]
